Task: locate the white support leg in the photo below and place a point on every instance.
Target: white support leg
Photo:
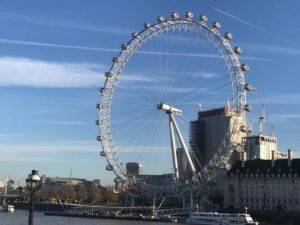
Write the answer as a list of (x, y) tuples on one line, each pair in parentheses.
[(173, 147), (183, 145), (191, 199)]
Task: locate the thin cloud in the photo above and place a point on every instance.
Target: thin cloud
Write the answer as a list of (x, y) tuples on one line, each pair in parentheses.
[(17, 158), (63, 122), (59, 146), (267, 49), (51, 45), (286, 116), (200, 55), (141, 150), (36, 73), (89, 48), (207, 75), (293, 99), (64, 23)]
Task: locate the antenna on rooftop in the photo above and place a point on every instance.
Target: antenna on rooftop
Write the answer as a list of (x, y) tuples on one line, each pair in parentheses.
[(261, 122), (227, 104), (271, 128)]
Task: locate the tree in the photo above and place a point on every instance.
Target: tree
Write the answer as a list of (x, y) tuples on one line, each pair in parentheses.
[(81, 194), (94, 194), (52, 194), (66, 192), (110, 196)]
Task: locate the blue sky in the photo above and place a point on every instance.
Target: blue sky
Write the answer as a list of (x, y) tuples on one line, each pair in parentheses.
[(53, 55)]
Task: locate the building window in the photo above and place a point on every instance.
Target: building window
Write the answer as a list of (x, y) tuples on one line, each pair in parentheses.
[(231, 190)]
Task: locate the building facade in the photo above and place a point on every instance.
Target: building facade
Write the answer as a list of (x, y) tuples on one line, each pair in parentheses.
[(264, 185), (209, 131), (134, 168), (260, 146)]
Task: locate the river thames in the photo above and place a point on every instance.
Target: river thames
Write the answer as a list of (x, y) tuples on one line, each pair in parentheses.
[(20, 217)]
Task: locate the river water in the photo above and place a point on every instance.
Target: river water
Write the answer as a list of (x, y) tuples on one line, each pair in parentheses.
[(20, 217)]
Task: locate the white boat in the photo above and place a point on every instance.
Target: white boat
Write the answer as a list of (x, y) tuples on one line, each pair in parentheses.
[(8, 208), (214, 218)]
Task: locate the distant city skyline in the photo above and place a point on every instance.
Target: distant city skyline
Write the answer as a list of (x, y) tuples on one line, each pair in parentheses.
[(53, 56)]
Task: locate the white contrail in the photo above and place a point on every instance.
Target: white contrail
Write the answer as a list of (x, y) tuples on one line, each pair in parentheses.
[(249, 24), (43, 44), (87, 48)]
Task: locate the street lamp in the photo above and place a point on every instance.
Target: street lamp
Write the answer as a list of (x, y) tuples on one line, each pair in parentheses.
[(33, 183)]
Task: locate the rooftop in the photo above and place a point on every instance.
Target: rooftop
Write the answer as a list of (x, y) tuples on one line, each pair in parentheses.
[(265, 167), (215, 112)]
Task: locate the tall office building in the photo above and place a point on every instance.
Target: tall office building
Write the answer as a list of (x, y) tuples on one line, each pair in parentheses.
[(209, 131), (134, 168)]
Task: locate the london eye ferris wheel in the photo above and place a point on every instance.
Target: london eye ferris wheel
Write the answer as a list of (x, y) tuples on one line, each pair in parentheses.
[(153, 90)]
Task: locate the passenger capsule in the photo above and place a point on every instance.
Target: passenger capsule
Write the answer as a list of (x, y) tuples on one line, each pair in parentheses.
[(216, 25), (134, 34), (238, 50), (248, 108), (175, 15), (102, 153), (248, 87), (228, 36), (101, 89), (189, 15), (109, 167), (98, 138), (98, 106), (243, 129), (203, 18), (108, 74), (97, 122), (245, 67), (147, 25), (117, 180), (160, 19), (124, 47)]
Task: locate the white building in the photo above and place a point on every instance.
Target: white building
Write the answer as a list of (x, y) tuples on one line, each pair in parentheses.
[(264, 185), (260, 146), (2, 184)]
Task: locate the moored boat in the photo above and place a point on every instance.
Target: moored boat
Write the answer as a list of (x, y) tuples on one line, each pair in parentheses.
[(7, 208), (214, 218), (4, 207)]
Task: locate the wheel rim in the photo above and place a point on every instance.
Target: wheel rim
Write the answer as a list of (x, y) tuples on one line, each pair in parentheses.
[(212, 36)]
